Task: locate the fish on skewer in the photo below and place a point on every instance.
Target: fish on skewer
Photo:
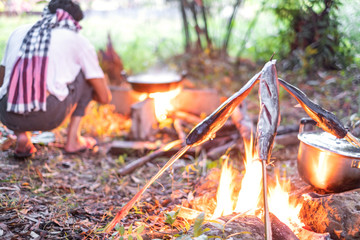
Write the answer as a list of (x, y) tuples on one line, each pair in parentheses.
[(207, 129), (269, 118), (324, 119), (198, 135)]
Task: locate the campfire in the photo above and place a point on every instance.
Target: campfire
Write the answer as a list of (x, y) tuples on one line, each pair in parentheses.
[(247, 200), (162, 102), (273, 206)]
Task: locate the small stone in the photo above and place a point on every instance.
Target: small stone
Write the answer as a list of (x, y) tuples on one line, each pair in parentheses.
[(241, 228)]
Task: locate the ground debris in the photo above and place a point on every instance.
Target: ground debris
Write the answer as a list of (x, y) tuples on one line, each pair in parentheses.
[(57, 196)]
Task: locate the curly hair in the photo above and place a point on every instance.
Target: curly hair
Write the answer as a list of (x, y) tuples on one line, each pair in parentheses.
[(69, 6)]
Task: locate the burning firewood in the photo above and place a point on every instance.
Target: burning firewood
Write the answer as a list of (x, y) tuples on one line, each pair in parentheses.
[(267, 126), (280, 231), (200, 134)]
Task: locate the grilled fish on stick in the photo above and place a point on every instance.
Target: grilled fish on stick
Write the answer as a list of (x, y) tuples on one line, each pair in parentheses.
[(269, 115), (207, 129), (325, 119), (268, 122)]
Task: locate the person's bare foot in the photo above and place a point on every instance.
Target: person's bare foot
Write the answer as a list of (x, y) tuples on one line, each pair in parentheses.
[(24, 146), (80, 144)]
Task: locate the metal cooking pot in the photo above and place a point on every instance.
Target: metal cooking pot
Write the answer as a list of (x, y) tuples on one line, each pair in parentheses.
[(155, 82), (326, 162)]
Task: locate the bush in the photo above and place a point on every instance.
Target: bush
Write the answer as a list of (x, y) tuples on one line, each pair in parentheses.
[(310, 28)]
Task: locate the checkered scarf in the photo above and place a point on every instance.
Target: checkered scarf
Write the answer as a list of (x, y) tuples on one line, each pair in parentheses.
[(27, 88)]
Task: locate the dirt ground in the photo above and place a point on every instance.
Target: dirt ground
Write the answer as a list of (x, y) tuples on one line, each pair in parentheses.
[(55, 196), (59, 196)]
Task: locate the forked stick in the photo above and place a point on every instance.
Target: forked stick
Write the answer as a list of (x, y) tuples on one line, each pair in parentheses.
[(198, 135), (125, 210)]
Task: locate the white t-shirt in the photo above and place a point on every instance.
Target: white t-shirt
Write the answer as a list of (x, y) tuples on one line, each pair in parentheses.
[(68, 53)]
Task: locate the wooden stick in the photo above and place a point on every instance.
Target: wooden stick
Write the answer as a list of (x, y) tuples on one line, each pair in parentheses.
[(141, 161), (268, 235), (125, 210), (215, 152), (179, 129), (352, 139), (190, 118), (242, 122)]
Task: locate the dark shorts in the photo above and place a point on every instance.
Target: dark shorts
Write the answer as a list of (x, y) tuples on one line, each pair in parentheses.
[(80, 94)]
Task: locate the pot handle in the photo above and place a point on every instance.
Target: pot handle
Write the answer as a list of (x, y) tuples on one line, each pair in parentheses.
[(304, 122)]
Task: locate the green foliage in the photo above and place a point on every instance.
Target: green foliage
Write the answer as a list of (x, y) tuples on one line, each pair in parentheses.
[(139, 47), (130, 233), (310, 31), (198, 225), (8, 25), (171, 217), (198, 231), (143, 41), (140, 42), (121, 159)]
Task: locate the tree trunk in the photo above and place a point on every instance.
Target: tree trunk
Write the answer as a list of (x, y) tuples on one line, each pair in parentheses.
[(186, 25)]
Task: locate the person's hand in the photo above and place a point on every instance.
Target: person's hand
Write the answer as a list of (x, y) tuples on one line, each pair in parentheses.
[(102, 92)]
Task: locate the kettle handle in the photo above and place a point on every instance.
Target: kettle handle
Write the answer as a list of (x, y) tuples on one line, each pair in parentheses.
[(304, 122)]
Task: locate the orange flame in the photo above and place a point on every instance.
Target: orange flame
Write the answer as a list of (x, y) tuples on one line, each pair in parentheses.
[(225, 190), (251, 187), (163, 104), (280, 205), (248, 200)]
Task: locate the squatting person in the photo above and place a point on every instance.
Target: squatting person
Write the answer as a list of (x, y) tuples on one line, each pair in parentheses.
[(50, 71)]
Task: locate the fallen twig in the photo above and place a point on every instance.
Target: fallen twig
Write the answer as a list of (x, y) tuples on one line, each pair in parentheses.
[(179, 129), (141, 161)]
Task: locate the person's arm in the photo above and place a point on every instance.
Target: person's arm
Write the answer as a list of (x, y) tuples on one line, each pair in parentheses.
[(2, 74), (102, 93)]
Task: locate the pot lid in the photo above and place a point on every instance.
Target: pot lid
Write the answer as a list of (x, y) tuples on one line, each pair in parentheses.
[(155, 78), (330, 143)]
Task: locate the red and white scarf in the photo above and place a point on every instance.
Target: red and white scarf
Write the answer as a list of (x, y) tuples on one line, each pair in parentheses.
[(27, 88)]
